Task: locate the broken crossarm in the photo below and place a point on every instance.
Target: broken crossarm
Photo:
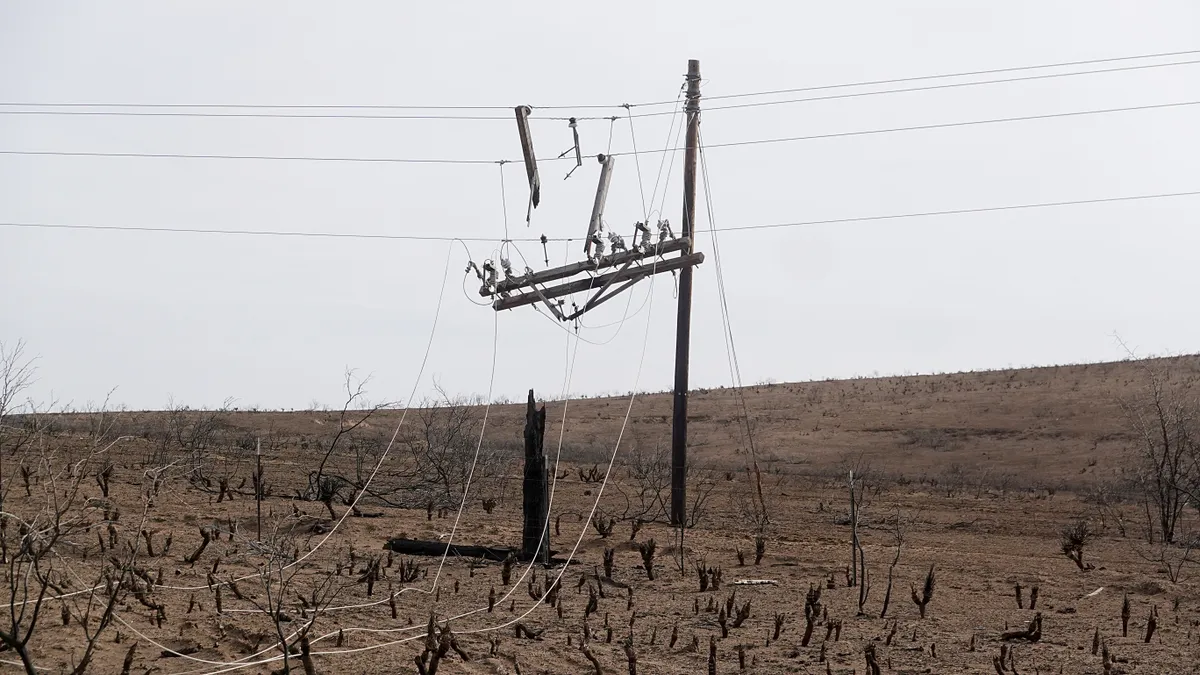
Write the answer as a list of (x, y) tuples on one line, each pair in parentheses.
[(584, 285), (531, 171), (508, 285), (598, 300), (594, 225)]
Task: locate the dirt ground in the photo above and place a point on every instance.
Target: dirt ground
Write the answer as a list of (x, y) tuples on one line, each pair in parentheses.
[(979, 473)]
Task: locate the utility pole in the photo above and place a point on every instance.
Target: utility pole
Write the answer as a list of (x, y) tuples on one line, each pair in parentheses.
[(258, 487), (683, 326)]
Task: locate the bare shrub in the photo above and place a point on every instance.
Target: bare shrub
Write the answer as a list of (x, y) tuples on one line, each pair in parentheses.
[(1165, 419), (1074, 538)]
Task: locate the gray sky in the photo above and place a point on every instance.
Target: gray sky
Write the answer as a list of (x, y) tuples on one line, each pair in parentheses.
[(274, 321)]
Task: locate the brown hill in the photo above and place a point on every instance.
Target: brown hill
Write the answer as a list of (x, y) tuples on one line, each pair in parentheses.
[(1056, 426)]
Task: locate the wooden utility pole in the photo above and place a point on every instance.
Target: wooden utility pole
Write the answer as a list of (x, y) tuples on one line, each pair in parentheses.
[(853, 533), (683, 326), (258, 487)]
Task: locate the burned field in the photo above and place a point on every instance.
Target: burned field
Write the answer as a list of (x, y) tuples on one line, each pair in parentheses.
[(1005, 521)]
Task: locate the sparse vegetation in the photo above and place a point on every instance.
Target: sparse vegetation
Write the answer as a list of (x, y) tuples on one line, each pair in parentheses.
[(163, 532), (1074, 538)]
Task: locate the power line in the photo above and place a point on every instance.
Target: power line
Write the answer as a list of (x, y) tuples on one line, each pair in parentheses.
[(265, 115), (955, 212), (934, 87), (265, 233), (947, 125), (735, 228), (316, 106), (173, 112), (273, 158), (992, 71), (792, 90), (764, 141)]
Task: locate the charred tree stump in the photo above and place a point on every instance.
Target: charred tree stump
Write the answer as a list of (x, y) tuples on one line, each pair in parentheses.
[(535, 537)]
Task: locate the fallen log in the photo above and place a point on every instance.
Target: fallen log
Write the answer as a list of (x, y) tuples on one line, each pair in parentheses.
[(1032, 633), (437, 548)]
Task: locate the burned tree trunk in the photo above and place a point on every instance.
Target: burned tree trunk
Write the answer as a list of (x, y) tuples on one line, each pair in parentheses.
[(535, 539)]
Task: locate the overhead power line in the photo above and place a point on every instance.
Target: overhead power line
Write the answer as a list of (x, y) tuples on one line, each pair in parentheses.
[(958, 212), (509, 107), (141, 111), (272, 158), (265, 115), (933, 126), (728, 144), (735, 228), (935, 87), (967, 73)]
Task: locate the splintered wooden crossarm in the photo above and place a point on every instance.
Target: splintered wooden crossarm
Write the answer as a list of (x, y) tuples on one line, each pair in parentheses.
[(586, 284), (566, 271)]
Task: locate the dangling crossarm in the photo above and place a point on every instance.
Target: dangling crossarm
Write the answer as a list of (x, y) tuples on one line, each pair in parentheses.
[(553, 274), (642, 270)]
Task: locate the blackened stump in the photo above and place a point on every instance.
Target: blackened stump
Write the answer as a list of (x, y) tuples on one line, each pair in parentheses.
[(535, 539)]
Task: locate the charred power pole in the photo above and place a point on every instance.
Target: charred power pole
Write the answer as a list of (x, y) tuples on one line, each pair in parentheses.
[(683, 325)]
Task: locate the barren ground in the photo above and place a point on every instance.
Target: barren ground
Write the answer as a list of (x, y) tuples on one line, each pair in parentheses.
[(983, 471)]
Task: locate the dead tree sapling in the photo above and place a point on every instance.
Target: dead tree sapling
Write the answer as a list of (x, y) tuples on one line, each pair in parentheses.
[(897, 532), (587, 654), (647, 548), (872, 660), (630, 654), (926, 592), (812, 612), (1125, 611)]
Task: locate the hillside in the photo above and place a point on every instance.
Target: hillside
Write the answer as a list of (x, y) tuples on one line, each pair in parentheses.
[(1058, 425)]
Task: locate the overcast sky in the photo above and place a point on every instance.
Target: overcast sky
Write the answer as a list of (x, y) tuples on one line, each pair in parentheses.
[(274, 321)]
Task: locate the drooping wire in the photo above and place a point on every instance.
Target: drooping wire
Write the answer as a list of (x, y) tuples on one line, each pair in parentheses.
[(662, 161), (504, 204), (638, 163), (478, 445), (583, 530), (383, 455), (564, 397), (735, 369), (670, 141), (362, 491)]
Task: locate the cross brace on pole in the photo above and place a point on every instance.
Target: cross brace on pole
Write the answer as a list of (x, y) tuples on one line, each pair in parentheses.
[(555, 273), (583, 285)]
